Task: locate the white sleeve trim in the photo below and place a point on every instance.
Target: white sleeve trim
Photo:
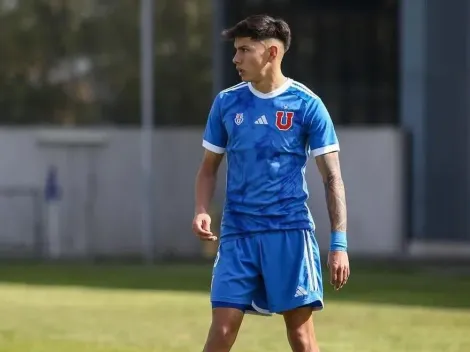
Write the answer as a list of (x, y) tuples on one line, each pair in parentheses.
[(213, 148), (326, 150)]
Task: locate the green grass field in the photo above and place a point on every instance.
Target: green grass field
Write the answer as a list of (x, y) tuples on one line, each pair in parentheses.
[(131, 308)]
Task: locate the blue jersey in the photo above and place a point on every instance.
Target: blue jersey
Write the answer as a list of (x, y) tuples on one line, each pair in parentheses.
[(268, 139)]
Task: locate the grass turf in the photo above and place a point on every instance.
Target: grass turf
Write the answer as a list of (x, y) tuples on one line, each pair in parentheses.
[(132, 308)]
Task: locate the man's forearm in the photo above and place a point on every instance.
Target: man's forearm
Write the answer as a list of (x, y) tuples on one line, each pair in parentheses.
[(205, 186), (336, 203)]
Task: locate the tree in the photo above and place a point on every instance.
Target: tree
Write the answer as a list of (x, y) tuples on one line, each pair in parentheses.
[(77, 62)]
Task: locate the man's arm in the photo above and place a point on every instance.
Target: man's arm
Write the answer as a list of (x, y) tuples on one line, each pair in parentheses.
[(206, 180), (338, 261), (214, 141), (329, 167)]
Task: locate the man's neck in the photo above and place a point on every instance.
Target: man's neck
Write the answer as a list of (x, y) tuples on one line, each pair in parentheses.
[(270, 83)]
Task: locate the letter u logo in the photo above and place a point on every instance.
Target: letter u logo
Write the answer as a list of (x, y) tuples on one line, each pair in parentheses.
[(284, 120)]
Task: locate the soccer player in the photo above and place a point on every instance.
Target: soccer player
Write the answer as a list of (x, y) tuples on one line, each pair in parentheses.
[(268, 258)]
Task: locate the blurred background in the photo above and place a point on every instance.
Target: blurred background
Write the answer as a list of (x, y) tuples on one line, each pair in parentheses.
[(102, 109), (82, 177)]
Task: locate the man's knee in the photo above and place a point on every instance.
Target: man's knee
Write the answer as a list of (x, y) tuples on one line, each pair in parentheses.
[(302, 340), (224, 329), (222, 336), (300, 331)]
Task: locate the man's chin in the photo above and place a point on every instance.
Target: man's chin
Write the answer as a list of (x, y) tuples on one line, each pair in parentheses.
[(244, 77)]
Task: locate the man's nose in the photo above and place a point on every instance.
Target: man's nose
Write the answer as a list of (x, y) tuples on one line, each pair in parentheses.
[(236, 59)]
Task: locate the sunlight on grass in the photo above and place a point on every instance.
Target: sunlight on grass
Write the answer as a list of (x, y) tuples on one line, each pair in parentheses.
[(50, 318)]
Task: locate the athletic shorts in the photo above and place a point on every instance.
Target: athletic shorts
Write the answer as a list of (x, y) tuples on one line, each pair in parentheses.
[(266, 273)]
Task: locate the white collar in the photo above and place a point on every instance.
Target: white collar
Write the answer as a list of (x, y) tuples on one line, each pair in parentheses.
[(273, 93)]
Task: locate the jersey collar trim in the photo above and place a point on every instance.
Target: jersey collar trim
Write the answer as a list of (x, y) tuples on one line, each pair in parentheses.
[(272, 94)]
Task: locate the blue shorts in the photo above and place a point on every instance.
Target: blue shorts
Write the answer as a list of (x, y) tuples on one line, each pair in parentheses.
[(268, 273)]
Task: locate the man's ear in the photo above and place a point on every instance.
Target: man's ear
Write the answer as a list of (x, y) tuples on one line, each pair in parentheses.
[(273, 53)]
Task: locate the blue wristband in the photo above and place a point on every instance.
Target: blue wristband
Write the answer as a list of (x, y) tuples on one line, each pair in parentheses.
[(338, 241)]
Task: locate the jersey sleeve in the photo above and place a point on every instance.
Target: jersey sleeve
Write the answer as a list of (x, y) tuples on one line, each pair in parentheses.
[(322, 137), (215, 135)]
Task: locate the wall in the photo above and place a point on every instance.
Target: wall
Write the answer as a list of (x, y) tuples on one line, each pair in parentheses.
[(372, 163), (435, 109)]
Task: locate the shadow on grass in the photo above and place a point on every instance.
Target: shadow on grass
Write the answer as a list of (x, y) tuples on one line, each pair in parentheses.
[(404, 284)]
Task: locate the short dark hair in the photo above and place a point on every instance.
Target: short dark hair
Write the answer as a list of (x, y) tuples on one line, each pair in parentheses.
[(260, 27)]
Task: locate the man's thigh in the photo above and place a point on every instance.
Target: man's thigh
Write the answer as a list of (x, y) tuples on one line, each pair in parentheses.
[(236, 275), (291, 268)]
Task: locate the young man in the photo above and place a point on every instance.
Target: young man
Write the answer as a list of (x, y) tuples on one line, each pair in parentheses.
[(268, 259)]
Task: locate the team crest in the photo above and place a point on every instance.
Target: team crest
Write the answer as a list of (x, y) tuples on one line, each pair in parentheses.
[(239, 119), (284, 120)]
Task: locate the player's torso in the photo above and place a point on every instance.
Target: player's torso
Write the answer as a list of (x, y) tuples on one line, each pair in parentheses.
[(266, 157), (266, 149)]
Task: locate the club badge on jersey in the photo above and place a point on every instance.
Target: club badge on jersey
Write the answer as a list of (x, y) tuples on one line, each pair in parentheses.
[(284, 124), (239, 119)]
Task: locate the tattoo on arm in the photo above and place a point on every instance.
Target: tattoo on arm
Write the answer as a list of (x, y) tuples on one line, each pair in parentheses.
[(329, 167)]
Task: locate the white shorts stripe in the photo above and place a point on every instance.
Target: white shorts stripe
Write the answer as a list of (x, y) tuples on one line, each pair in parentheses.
[(311, 260), (259, 309), (311, 283)]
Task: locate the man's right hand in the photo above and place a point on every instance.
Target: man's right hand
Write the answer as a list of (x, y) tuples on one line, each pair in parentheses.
[(202, 227)]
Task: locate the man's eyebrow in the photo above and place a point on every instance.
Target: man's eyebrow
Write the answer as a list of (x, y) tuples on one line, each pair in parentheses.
[(244, 46)]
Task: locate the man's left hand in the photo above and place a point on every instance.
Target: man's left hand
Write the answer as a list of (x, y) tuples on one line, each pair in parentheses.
[(338, 263)]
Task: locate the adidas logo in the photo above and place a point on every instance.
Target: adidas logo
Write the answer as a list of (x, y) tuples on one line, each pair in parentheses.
[(300, 292), (261, 121)]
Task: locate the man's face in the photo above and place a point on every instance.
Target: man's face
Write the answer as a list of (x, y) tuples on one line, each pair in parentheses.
[(251, 59)]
